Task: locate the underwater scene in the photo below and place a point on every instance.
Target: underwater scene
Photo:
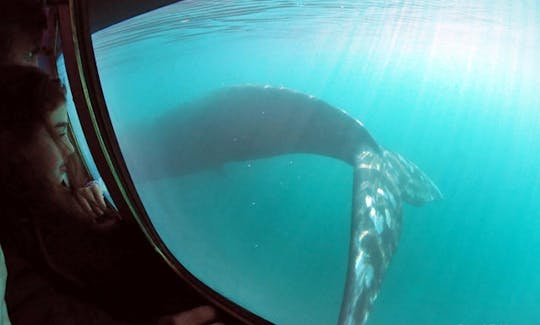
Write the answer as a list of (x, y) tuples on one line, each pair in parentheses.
[(450, 85)]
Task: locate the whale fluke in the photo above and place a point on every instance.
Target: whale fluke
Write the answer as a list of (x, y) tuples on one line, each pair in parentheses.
[(382, 181)]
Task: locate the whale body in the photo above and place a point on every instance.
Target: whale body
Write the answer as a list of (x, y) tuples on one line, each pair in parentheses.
[(247, 122), (253, 122)]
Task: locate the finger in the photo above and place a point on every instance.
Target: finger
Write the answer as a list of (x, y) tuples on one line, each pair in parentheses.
[(86, 195), (98, 195), (199, 315), (97, 210), (83, 202)]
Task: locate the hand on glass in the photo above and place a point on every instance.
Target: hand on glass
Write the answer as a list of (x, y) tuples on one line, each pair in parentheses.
[(90, 197), (88, 193)]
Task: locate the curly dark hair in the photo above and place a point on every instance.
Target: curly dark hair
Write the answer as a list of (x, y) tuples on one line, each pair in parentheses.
[(20, 18), (27, 97)]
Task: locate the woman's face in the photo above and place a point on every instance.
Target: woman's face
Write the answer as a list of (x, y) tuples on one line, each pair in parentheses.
[(55, 148)]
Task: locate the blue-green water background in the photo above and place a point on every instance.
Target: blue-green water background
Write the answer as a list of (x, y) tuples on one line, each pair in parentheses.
[(451, 85)]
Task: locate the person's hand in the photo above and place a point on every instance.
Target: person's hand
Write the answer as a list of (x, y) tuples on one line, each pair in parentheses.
[(88, 193), (90, 197), (203, 315)]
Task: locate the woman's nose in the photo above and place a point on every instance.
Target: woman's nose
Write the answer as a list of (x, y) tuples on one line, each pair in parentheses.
[(67, 148)]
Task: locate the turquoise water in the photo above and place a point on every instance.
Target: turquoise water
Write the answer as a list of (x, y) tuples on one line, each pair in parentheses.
[(451, 85)]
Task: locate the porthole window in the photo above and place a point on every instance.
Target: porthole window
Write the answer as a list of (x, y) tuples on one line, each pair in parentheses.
[(239, 125)]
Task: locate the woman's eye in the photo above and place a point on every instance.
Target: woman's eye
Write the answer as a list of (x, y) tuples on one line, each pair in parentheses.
[(30, 55)]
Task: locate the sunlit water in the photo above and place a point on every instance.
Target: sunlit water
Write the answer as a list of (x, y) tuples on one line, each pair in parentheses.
[(452, 85)]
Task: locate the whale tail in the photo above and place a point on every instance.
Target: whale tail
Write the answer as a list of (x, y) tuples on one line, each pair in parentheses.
[(382, 181), (415, 186)]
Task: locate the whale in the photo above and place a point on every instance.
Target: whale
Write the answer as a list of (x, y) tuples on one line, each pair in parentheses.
[(250, 122), (245, 122)]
